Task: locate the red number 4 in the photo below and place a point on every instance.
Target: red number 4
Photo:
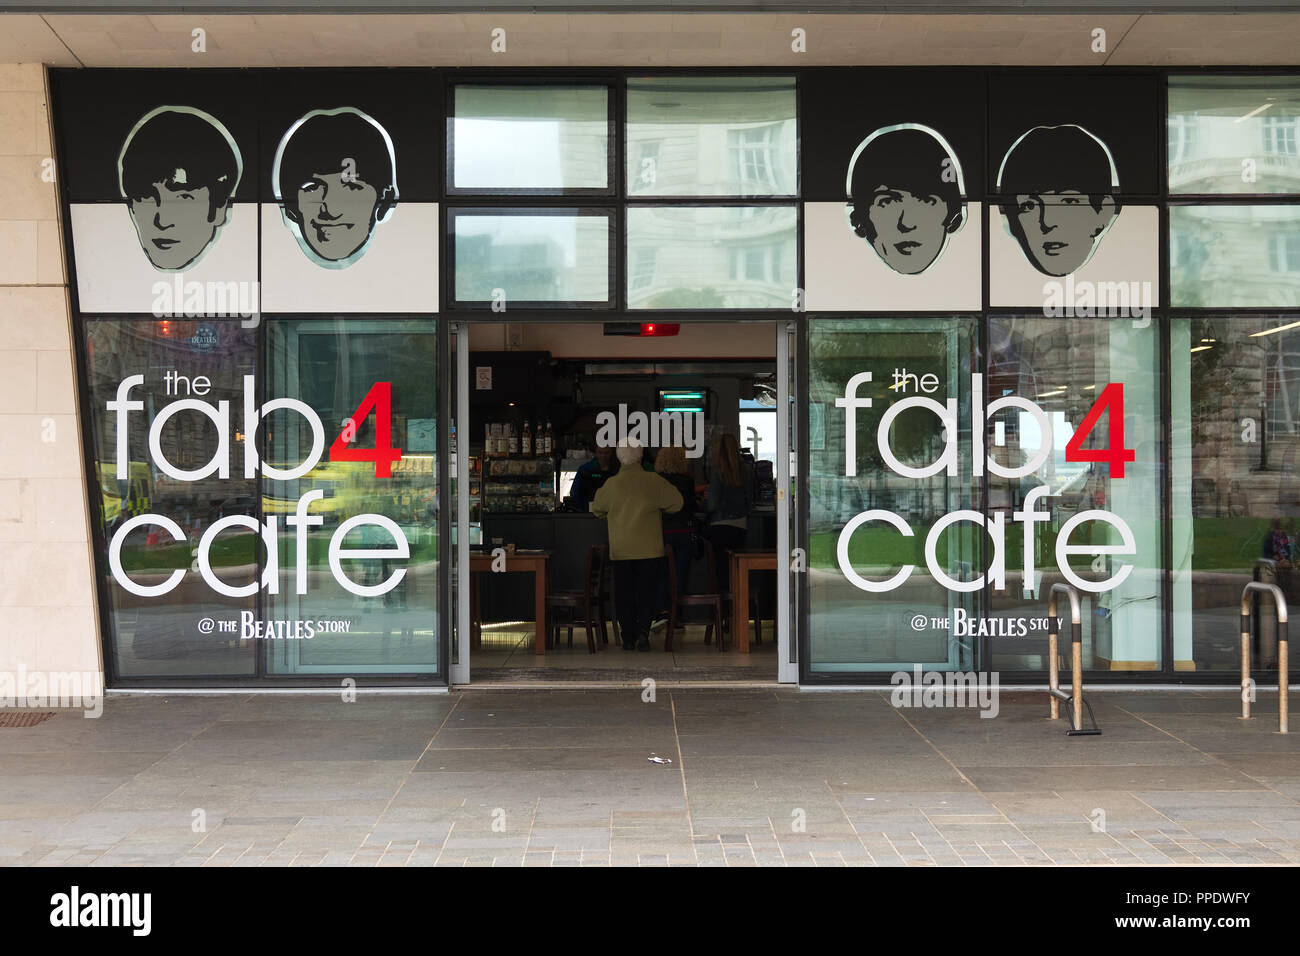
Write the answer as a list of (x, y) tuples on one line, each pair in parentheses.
[(379, 400), (1111, 399)]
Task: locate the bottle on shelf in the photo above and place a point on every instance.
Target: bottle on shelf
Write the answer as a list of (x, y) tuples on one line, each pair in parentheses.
[(512, 440), (550, 440), (489, 443), (526, 441)]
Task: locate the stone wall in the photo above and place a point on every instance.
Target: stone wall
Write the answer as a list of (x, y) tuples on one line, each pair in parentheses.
[(47, 595)]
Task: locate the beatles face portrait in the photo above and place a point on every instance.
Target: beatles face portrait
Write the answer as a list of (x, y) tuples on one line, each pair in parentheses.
[(1059, 189), (1060, 194), (906, 195), (178, 170), (335, 175)]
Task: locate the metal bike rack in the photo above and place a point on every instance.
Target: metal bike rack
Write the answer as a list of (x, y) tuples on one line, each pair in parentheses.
[(1279, 602), (1262, 566), (1076, 698)]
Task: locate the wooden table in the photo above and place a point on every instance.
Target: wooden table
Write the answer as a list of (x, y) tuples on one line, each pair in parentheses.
[(535, 563), (742, 562)]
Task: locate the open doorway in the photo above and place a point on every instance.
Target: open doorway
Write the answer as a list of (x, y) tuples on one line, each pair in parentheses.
[(545, 404)]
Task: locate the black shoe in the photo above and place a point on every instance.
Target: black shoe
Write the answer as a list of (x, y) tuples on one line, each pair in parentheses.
[(643, 644)]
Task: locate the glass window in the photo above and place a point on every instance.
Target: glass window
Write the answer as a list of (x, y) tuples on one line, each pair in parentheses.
[(711, 257), (1280, 135), (374, 382), (711, 136), (534, 257), (868, 519), (1072, 370), (1235, 391), (530, 138), (1233, 134), (1225, 256), (157, 503)]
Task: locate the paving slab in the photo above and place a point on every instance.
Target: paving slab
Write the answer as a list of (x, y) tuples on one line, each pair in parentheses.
[(560, 777)]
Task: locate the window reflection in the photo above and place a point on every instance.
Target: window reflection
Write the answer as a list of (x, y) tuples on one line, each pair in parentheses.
[(852, 629), (1234, 134), (162, 636), (530, 137), (711, 136), (556, 257), (711, 257), (333, 366), (1236, 431), (1234, 256), (1063, 366)]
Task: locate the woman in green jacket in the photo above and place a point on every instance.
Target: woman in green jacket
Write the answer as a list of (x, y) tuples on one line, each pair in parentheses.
[(633, 503)]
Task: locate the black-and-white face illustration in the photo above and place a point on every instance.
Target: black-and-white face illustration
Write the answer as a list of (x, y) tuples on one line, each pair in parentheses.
[(906, 195), (1060, 194), (335, 175), (177, 171)]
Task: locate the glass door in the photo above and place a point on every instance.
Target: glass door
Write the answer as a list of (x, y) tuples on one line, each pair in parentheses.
[(788, 571), (463, 513), (349, 482), (889, 563)]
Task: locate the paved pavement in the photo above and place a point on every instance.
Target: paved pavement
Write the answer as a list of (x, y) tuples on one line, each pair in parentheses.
[(758, 776)]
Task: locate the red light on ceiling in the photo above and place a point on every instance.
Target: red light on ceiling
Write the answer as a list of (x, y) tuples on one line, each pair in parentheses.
[(660, 328)]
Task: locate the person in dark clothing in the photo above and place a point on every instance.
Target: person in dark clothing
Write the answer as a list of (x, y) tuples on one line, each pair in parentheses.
[(591, 475), (728, 505), (678, 526)]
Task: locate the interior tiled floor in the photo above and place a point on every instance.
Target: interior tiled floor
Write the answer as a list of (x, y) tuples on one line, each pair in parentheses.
[(757, 776), (506, 655)]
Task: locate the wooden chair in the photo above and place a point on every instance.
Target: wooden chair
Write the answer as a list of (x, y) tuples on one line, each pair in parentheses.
[(588, 601), (713, 599)]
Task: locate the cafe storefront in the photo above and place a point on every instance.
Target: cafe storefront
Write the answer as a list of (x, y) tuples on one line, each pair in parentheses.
[(1009, 327)]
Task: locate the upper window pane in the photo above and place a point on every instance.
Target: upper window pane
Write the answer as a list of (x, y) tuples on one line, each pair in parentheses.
[(544, 138), (711, 136), (711, 257), (1234, 134), (1221, 256)]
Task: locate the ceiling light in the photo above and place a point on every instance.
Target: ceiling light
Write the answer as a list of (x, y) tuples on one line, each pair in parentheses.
[(1279, 328), (1255, 112)]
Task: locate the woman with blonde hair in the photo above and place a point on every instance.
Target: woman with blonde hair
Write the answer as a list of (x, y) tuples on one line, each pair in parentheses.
[(678, 526), (728, 504)]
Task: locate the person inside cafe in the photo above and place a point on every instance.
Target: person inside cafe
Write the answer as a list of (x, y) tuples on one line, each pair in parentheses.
[(728, 504), (633, 502), (591, 475), (678, 526)]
